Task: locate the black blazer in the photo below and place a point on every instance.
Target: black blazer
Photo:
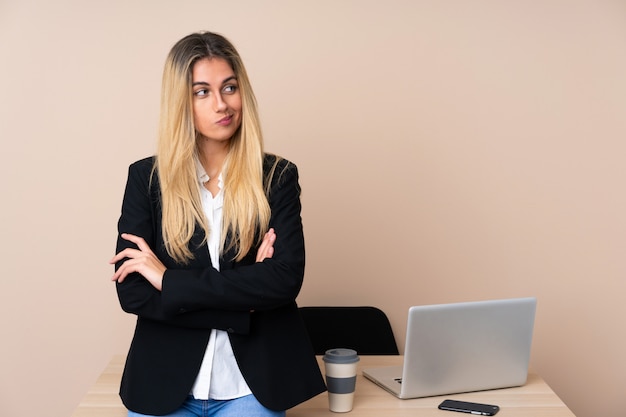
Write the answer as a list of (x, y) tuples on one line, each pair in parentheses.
[(254, 302)]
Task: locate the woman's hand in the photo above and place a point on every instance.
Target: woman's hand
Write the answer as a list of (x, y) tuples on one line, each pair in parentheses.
[(141, 260), (266, 250)]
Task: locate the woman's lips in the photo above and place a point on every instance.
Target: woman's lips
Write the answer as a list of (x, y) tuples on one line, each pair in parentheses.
[(225, 121)]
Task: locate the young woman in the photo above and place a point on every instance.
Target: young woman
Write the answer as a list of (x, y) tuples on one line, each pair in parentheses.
[(210, 255)]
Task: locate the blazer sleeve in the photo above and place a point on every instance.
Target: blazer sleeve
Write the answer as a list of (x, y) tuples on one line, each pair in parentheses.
[(250, 285), (141, 216)]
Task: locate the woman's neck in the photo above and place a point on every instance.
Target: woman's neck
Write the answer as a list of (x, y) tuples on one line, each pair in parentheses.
[(212, 155)]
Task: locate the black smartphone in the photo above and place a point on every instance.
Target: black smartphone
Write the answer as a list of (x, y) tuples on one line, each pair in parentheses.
[(471, 408)]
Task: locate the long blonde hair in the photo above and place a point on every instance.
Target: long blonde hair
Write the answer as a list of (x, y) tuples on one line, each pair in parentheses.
[(246, 210)]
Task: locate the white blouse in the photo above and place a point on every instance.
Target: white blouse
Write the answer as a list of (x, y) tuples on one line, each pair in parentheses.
[(219, 377)]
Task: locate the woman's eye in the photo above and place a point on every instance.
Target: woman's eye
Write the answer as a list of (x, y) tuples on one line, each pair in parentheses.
[(201, 93), (230, 89)]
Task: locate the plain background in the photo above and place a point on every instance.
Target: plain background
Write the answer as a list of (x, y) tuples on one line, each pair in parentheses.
[(449, 150)]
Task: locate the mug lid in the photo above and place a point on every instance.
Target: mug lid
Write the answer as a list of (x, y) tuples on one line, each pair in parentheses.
[(341, 355)]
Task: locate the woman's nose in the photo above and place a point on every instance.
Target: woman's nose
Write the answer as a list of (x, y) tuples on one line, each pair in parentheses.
[(219, 104)]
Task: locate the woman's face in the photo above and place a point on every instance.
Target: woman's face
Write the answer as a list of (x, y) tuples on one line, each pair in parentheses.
[(216, 99)]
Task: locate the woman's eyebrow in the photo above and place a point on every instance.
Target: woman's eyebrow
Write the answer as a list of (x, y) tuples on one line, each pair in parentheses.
[(232, 77)]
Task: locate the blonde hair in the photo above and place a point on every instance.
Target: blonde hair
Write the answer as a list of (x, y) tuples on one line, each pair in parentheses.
[(246, 210)]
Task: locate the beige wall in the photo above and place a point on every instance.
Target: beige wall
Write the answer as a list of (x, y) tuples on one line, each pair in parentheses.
[(449, 151)]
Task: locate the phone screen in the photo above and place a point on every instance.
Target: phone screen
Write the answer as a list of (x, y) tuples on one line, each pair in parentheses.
[(467, 407)]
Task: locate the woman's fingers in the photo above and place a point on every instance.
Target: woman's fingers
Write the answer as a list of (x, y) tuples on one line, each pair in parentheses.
[(141, 260), (126, 253), (130, 252), (123, 271), (139, 241), (266, 249)]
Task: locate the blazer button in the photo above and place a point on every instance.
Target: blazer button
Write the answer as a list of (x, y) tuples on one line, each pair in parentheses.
[(182, 310)]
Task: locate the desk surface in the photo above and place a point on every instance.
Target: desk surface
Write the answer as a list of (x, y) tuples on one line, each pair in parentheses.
[(534, 399)]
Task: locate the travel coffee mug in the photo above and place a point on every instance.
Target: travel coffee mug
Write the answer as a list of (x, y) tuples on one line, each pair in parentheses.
[(340, 365)]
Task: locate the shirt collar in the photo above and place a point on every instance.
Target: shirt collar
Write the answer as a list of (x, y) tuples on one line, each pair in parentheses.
[(203, 177)]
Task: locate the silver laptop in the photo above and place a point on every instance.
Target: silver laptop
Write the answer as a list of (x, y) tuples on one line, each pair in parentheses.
[(462, 347)]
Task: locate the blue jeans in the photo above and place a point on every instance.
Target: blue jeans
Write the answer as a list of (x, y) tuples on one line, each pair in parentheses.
[(247, 406)]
